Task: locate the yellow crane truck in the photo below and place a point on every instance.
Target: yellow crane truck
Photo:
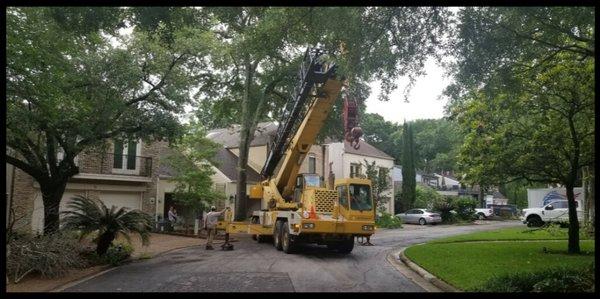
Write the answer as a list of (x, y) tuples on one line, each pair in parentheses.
[(298, 207)]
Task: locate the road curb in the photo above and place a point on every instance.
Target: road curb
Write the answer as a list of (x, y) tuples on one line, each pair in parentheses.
[(409, 273), (67, 285), (423, 273)]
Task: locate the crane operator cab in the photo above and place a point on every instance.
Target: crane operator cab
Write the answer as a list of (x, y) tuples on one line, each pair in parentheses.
[(306, 181)]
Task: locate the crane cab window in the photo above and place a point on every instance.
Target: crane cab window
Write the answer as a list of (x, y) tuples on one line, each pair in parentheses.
[(312, 180), (360, 197), (343, 195)]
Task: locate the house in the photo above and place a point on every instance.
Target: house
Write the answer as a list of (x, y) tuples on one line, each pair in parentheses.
[(136, 175), (124, 174), (346, 161)]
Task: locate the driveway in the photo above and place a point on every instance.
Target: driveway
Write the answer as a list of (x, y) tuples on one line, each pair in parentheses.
[(259, 267)]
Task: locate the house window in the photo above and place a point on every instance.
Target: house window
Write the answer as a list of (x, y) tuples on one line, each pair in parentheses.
[(312, 164), (125, 155), (355, 170)]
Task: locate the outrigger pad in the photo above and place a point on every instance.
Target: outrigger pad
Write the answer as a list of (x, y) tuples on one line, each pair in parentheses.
[(227, 246)]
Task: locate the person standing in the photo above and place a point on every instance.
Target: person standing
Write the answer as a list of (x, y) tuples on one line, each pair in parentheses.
[(210, 224), (172, 217)]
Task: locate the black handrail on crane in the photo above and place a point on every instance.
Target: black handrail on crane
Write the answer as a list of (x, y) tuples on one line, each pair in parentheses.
[(311, 73)]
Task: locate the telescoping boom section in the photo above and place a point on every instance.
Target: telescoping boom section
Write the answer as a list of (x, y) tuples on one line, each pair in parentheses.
[(297, 208)]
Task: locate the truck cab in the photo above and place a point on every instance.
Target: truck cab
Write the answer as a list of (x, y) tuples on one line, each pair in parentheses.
[(555, 211)]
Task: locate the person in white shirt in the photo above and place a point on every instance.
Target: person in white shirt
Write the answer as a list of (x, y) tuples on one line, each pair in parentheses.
[(172, 217), (210, 224)]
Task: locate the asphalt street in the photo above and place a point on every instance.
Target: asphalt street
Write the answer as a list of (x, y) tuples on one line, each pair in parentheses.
[(259, 267)]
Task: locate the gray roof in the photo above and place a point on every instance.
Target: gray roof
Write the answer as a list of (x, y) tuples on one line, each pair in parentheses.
[(230, 137), (227, 164), (366, 150)]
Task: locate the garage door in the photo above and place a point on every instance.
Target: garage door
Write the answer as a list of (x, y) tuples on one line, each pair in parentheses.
[(37, 219), (131, 200)]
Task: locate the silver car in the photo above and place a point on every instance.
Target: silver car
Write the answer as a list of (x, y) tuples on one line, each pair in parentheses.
[(420, 216)]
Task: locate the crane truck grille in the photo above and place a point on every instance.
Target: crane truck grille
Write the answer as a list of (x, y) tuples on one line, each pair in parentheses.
[(324, 200)]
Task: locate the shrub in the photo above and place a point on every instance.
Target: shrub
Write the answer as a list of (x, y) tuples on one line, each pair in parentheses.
[(425, 197), (549, 280), (89, 215), (465, 207), (444, 205), (50, 256), (387, 220), (115, 255)]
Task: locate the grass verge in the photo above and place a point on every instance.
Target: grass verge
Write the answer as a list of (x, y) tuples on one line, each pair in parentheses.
[(507, 234), (469, 265)]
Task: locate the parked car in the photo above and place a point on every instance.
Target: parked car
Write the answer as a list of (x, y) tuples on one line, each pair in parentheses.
[(484, 213), (556, 211), (420, 216)]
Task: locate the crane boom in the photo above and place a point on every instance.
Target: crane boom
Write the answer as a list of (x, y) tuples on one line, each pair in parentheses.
[(317, 86)]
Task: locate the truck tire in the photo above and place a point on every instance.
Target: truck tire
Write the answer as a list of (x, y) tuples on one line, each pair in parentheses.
[(534, 221), (481, 216), (287, 242), (346, 246), (422, 221), (277, 235)]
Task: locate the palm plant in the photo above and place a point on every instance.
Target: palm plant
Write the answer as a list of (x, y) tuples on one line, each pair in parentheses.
[(89, 215)]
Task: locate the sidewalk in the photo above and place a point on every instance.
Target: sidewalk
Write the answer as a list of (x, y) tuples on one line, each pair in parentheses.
[(159, 243)]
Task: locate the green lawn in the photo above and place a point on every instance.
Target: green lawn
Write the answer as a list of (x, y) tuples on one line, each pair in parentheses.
[(468, 265), (517, 233)]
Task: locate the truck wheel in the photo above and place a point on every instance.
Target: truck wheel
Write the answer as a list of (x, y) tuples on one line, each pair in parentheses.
[(287, 244), (534, 221), (481, 216), (346, 246), (422, 221), (277, 235)]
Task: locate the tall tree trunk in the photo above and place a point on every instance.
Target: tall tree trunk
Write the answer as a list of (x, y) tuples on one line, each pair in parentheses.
[(573, 221), (51, 196), (590, 202), (245, 139)]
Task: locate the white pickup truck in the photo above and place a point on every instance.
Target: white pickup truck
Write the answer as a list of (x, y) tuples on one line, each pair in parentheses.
[(484, 213), (555, 211)]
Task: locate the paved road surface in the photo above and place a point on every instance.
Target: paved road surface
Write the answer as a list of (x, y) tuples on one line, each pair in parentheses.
[(259, 267)]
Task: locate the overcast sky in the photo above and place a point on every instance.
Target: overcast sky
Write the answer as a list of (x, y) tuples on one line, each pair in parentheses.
[(423, 99)]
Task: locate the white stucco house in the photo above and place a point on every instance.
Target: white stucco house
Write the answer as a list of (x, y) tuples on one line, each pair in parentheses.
[(350, 162)]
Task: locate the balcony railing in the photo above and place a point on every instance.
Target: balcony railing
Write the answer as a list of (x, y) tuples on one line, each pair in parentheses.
[(110, 163)]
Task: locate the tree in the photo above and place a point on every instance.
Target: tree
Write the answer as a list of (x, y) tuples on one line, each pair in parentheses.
[(258, 51), (89, 215), (74, 80), (408, 167), (544, 132), (380, 182), (191, 159), (382, 134), (524, 91)]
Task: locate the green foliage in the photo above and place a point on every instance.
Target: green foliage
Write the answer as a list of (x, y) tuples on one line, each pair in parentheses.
[(516, 192), (88, 215), (408, 167), (50, 255), (468, 265), (380, 184), (560, 280), (382, 134), (76, 78), (465, 207), (523, 96), (387, 220), (191, 159), (426, 197), (114, 256)]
